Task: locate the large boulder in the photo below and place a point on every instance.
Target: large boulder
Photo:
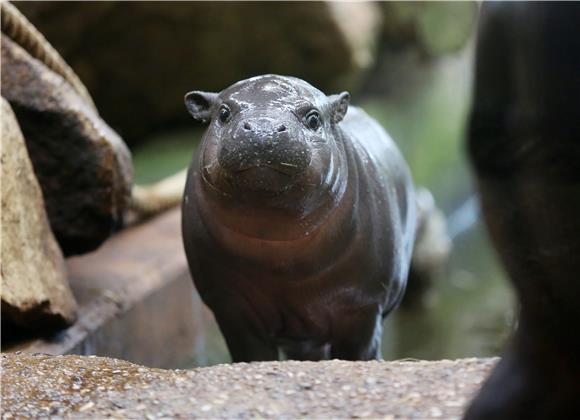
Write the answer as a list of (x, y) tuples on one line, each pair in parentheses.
[(35, 291), (83, 166), (139, 58)]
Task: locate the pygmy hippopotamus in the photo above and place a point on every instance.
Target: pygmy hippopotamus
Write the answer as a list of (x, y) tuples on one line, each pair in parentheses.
[(299, 218)]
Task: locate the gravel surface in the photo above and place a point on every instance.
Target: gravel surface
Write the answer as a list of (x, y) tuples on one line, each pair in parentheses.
[(97, 387)]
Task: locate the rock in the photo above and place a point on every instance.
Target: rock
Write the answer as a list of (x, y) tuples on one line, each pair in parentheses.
[(96, 387), (83, 166), (139, 65), (122, 293), (16, 27), (149, 200), (35, 290)]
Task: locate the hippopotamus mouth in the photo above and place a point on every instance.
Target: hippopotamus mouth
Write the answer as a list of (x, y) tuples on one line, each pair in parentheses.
[(283, 168), (261, 178), (265, 178)]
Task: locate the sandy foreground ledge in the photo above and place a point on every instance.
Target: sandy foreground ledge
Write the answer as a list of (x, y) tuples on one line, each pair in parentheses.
[(97, 387)]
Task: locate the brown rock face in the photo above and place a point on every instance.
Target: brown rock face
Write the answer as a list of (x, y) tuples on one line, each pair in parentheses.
[(83, 166), (138, 76), (34, 290)]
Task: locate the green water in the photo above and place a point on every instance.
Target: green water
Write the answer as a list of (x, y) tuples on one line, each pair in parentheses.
[(469, 307), (469, 312)]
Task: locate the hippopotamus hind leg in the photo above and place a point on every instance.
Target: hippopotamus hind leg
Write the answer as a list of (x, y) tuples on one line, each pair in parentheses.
[(359, 339)]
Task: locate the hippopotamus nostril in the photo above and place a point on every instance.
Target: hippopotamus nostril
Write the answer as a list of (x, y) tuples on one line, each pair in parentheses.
[(247, 126), (281, 128)]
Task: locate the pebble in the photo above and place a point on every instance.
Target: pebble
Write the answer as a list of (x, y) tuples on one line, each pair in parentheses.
[(87, 406)]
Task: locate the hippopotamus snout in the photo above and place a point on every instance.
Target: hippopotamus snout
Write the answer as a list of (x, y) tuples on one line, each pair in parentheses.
[(264, 153)]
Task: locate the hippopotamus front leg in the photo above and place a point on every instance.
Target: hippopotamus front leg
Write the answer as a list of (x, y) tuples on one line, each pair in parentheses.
[(244, 339), (307, 351)]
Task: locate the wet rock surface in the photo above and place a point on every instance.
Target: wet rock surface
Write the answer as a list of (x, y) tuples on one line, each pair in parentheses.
[(89, 387), (138, 77), (82, 165), (35, 290)]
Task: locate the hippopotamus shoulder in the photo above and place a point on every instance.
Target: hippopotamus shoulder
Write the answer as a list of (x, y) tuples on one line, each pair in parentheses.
[(368, 136)]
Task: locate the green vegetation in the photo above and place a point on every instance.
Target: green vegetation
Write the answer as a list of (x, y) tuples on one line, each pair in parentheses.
[(164, 155)]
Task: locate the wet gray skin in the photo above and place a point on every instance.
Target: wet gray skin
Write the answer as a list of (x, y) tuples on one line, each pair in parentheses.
[(259, 146), (298, 220)]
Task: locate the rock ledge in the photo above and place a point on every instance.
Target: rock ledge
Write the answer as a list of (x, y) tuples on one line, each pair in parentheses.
[(90, 387)]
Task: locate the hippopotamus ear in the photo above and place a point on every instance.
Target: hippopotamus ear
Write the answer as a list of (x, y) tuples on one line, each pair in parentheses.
[(339, 106), (199, 104)]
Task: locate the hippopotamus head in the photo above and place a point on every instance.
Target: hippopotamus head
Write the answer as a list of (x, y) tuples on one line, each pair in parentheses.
[(268, 137)]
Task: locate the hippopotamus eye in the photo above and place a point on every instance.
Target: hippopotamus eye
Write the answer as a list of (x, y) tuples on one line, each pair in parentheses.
[(313, 120), (224, 113)]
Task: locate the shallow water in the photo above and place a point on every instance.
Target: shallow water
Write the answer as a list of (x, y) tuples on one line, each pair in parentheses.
[(469, 312)]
